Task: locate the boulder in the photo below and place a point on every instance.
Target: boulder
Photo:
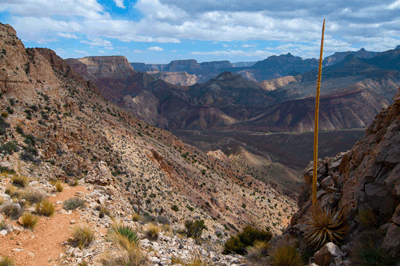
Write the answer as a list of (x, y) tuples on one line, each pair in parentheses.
[(100, 175), (330, 253)]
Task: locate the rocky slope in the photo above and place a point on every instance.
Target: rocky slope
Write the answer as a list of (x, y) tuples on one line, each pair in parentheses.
[(340, 56), (55, 127), (177, 78), (364, 183), (344, 109)]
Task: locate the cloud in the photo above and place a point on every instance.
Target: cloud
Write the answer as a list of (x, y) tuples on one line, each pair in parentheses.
[(96, 41), (102, 52), (80, 52), (59, 52), (67, 35), (225, 45), (174, 51), (119, 3), (249, 45), (258, 53), (138, 51), (155, 48)]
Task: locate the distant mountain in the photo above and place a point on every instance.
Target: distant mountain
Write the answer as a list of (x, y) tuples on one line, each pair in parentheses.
[(177, 78), (349, 108), (387, 60), (244, 64), (339, 56)]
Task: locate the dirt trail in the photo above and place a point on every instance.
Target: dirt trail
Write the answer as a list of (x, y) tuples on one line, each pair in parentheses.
[(42, 246)]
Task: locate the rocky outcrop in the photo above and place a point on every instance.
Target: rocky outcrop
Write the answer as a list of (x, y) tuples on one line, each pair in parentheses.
[(177, 78), (363, 183), (100, 175)]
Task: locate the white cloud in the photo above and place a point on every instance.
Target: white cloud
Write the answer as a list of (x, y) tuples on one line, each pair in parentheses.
[(102, 52), (119, 3), (155, 48), (80, 52), (154, 9), (225, 45), (96, 41), (174, 51), (138, 51), (248, 45), (67, 35), (258, 53), (59, 52)]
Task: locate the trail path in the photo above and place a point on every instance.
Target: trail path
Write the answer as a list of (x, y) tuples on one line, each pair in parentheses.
[(43, 245)]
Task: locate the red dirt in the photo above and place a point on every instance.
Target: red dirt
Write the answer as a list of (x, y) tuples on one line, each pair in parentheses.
[(43, 245)]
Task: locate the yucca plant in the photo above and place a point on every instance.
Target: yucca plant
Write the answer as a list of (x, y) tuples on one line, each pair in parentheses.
[(125, 231), (323, 226), (314, 187)]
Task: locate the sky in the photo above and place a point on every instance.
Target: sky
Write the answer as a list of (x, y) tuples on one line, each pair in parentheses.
[(159, 31)]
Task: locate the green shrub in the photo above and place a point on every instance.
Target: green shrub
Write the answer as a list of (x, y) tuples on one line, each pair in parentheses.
[(122, 235), (174, 208), (238, 244), (194, 228), (74, 203), (3, 126), (33, 196), (9, 148)]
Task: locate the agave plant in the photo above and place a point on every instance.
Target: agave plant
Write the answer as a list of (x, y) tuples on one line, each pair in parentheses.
[(314, 187), (323, 226), (127, 232)]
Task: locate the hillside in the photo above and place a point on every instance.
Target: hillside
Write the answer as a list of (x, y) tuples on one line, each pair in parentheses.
[(56, 127)]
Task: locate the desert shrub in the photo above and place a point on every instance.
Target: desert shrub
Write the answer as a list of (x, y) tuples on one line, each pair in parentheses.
[(286, 256), (194, 228), (258, 251), (74, 182), (238, 244), (162, 220), (323, 226), (118, 232), (29, 220), (152, 232), (19, 180), (367, 218), (133, 257), (6, 170), (6, 261), (45, 208), (33, 196), (103, 211), (59, 186), (367, 250), (12, 210), (12, 191), (83, 236), (3, 126), (9, 148), (135, 217), (29, 155), (4, 114), (74, 203), (174, 208), (30, 140), (20, 130)]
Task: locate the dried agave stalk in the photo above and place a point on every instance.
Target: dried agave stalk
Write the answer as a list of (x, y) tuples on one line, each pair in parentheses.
[(314, 187), (323, 226)]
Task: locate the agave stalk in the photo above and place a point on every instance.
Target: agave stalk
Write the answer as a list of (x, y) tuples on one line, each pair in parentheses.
[(314, 183)]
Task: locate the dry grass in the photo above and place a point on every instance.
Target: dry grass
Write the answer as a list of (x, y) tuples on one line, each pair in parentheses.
[(367, 218), (12, 191), (258, 251), (286, 256), (45, 208), (152, 232), (59, 186), (135, 217), (323, 226), (33, 196), (20, 180), (83, 236), (29, 220), (133, 257), (11, 210), (6, 261)]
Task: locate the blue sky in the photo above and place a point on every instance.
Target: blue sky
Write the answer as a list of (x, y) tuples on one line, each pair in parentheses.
[(158, 31)]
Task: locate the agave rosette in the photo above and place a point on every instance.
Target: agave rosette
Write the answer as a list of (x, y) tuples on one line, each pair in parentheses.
[(323, 226)]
